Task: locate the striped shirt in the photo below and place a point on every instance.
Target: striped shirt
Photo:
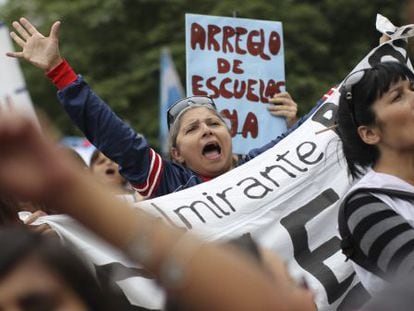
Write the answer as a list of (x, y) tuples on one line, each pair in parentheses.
[(383, 235)]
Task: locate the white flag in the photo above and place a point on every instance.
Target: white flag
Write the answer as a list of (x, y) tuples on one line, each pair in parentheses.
[(13, 90)]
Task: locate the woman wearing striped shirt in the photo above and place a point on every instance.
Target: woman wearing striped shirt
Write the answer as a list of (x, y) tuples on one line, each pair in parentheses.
[(376, 127)]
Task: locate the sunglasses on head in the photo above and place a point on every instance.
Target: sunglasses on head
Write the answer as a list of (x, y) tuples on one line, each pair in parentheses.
[(175, 110), (353, 79)]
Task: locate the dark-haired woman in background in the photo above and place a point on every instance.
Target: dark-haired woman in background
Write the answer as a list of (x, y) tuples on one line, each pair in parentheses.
[(376, 125)]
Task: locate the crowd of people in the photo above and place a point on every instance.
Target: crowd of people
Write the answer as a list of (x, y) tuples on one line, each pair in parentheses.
[(374, 123)]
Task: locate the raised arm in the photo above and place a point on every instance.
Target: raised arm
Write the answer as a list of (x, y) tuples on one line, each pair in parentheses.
[(139, 164), (33, 168)]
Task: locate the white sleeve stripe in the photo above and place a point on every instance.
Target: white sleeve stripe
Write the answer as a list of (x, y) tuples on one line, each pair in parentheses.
[(155, 168), (156, 177), (144, 187)]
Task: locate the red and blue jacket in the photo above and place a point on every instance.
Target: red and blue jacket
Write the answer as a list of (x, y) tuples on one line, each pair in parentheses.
[(145, 169)]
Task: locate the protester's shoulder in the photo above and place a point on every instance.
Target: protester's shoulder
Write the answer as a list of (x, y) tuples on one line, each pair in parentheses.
[(174, 169), (368, 180), (177, 177), (363, 196), (375, 180)]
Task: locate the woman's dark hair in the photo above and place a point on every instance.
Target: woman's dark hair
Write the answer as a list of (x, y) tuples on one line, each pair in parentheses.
[(18, 244), (357, 110)]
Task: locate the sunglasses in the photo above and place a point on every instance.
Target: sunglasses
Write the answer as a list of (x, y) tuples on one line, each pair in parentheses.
[(353, 79), (177, 108)]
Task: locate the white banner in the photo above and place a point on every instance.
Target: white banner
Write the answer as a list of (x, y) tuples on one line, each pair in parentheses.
[(287, 198)]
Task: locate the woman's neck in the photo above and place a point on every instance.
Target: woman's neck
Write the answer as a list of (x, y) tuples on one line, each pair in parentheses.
[(398, 164)]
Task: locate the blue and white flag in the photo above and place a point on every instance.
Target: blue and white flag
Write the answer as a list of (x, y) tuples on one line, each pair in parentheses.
[(171, 90)]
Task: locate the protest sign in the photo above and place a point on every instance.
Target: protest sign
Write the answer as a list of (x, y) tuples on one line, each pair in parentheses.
[(240, 64)]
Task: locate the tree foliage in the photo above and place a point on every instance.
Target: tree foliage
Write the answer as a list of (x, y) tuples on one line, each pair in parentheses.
[(116, 45)]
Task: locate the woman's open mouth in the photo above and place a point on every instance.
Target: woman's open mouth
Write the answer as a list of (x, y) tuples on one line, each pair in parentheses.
[(212, 151), (110, 172)]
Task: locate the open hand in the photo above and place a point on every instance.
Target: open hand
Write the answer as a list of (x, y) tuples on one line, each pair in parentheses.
[(42, 52)]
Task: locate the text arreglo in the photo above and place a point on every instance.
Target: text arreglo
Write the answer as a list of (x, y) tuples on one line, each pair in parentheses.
[(236, 40), (255, 41)]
